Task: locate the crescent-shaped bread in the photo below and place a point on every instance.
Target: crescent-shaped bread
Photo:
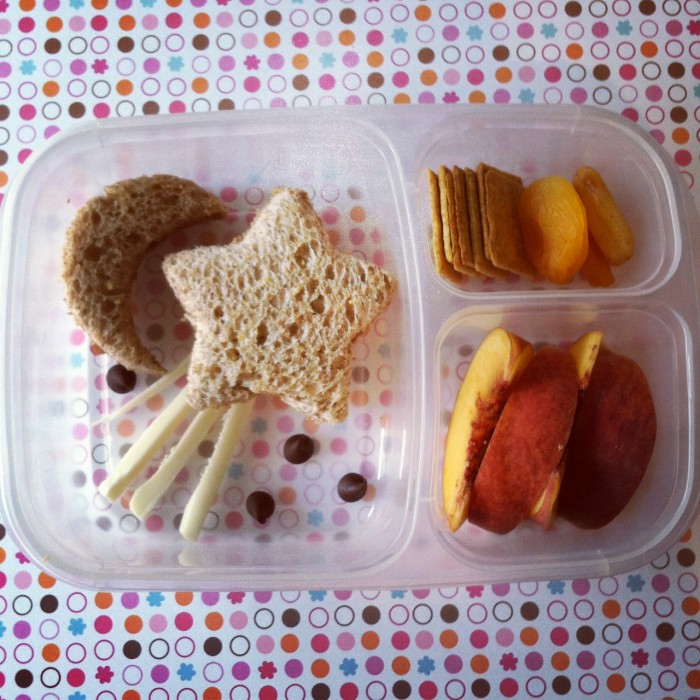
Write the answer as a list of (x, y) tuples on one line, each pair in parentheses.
[(104, 247)]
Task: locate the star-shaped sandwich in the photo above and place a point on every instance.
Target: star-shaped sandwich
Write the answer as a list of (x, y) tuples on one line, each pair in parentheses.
[(277, 311)]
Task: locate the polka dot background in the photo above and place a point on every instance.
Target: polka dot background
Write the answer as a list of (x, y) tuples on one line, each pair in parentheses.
[(66, 61)]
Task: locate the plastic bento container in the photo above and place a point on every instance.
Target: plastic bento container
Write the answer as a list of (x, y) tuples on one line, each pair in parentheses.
[(364, 169)]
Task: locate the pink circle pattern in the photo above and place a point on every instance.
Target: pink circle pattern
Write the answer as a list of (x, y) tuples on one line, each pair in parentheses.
[(65, 61)]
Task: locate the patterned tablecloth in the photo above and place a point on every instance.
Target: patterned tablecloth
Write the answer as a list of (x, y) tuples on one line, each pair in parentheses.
[(69, 61)]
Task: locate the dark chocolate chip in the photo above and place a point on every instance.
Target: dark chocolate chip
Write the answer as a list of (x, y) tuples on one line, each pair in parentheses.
[(352, 487), (298, 448), (260, 505), (120, 379)]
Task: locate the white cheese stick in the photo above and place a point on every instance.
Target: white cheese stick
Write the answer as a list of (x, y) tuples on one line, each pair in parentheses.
[(205, 494), (156, 388), (145, 447), (147, 495)]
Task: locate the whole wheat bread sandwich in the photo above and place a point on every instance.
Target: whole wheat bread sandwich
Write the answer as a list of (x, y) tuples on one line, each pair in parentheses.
[(104, 246), (276, 311)]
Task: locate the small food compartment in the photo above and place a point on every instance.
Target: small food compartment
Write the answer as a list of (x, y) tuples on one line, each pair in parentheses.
[(58, 449), (556, 144), (658, 341)]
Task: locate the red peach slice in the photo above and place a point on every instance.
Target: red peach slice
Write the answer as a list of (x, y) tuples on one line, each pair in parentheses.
[(498, 361), (611, 443), (528, 442)]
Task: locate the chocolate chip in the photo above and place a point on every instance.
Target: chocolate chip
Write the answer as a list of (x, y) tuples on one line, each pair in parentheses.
[(260, 505), (120, 379), (298, 448), (352, 487)]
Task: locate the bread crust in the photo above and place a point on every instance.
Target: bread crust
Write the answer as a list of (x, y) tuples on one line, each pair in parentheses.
[(104, 246)]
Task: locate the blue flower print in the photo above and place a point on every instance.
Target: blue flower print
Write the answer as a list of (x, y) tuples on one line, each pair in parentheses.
[(77, 695), (155, 599), (318, 596), (399, 35), (556, 587), (348, 667), (635, 583), (526, 96), (148, 3), (175, 63), (624, 28), (549, 31), (474, 33), (2, 629), (76, 626), (426, 665), (327, 60), (314, 517), (186, 672), (27, 67), (76, 360), (259, 425), (398, 594), (696, 90), (77, 4), (235, 470)]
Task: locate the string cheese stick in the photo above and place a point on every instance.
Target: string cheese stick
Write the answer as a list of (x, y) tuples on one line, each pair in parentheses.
[(145, 447), (147, 495), (156, 388), (205, 494)]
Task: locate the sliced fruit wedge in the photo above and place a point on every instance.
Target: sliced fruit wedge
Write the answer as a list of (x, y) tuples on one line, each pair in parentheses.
[(497, 363), (584, 352), (528, 442)]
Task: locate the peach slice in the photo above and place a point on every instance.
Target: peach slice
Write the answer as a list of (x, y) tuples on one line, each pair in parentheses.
[(528, 442), (611, 443), (584, 351), (545, 509), (497, 363)]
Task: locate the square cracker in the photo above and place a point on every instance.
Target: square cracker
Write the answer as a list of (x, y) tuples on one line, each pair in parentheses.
[(499, 194), (442, 264), (466, 262), (449, 221), (482, 264)]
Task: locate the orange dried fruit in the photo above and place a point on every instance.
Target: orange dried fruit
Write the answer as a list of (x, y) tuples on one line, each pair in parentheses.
[(595, 268), (554, 228), (606, 223)]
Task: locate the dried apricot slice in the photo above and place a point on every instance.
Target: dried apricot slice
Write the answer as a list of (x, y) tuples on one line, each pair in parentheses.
[(606, 224), (555, 233), (595, 268)]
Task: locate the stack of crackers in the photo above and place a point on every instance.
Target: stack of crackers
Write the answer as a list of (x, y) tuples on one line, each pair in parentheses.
[(476, 225)]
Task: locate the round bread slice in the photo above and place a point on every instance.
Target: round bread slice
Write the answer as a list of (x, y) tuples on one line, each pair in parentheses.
[(104, 247)]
